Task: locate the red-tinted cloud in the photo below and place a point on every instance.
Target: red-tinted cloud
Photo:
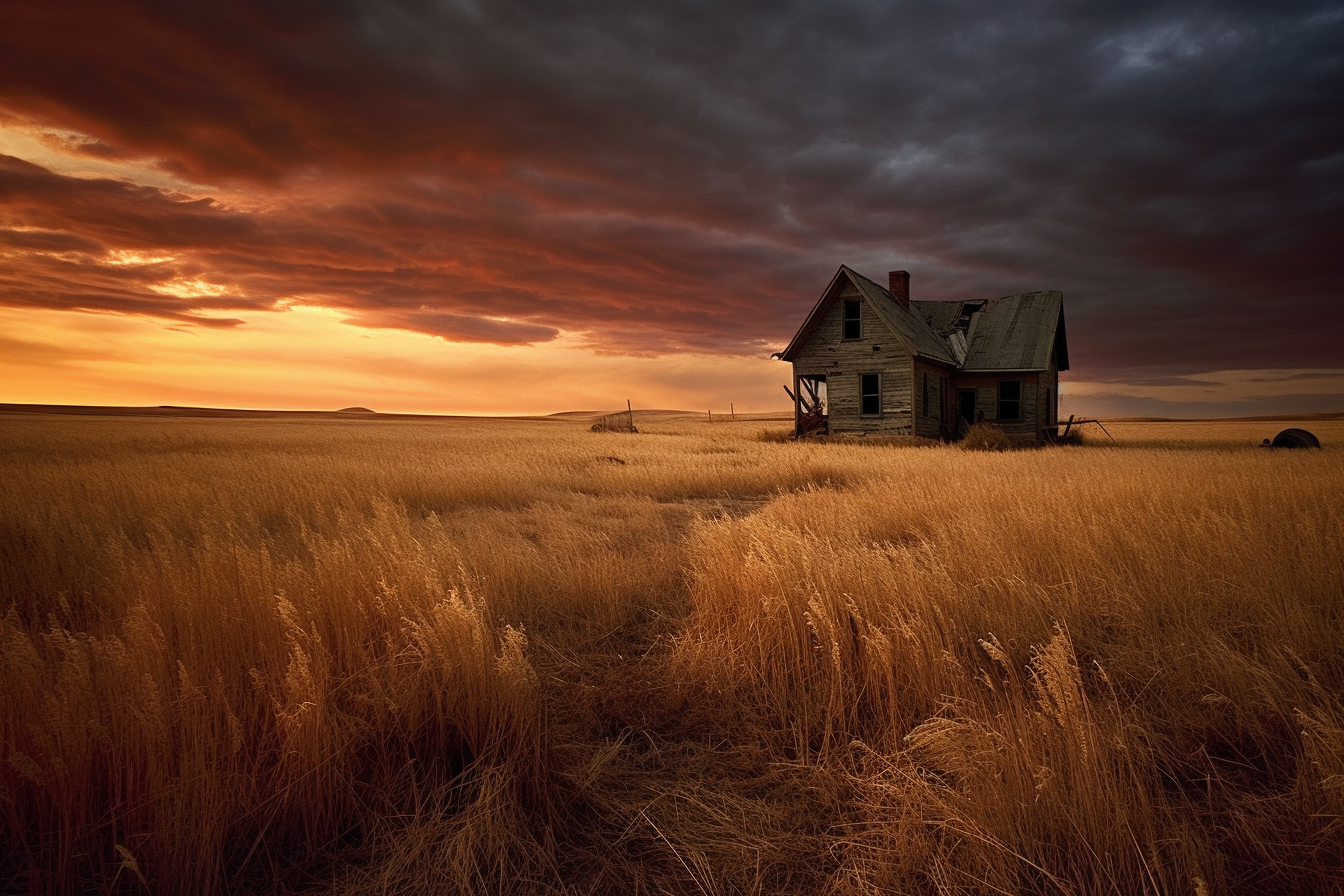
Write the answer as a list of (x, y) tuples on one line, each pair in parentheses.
[(688, 176)]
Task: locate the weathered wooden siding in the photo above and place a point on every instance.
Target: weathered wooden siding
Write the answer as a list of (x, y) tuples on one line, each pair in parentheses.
[(986, 386), (844, 361), (1047, 414)]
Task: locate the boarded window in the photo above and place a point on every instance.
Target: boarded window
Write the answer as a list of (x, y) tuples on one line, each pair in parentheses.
[(1010, 400), (870, 394), (853, 322)]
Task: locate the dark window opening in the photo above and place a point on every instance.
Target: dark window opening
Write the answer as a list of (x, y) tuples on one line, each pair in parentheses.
[(966, 405), (923, 395), (870, 394), (1010, 400), (853, 323)]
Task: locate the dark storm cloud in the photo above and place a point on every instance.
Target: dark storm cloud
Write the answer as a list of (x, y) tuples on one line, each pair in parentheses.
[(689, 175)]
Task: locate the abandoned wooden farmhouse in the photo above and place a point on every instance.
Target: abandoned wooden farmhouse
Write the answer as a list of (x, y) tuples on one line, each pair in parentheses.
[(869, 360)]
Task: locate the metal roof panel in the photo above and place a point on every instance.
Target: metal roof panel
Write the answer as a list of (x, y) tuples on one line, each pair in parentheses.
[(1014, 332)]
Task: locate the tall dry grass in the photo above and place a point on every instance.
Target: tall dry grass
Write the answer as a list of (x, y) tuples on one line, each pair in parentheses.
[(205, 709), (232, 650), (516, 657), (1054, 671)]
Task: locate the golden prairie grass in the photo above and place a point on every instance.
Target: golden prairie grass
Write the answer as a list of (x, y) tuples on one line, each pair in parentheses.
[(517, 657)]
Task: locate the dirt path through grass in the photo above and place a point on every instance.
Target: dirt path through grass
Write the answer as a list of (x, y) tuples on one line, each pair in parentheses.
[(664, 794)]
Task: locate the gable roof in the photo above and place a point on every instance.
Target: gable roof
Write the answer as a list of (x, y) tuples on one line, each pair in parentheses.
[(1016, 333), (907, 326), (905, 322)]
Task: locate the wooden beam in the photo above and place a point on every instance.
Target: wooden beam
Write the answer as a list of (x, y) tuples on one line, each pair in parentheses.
[(1105, 430), (797, 411)]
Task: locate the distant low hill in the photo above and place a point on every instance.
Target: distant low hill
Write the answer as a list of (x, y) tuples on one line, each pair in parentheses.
[(663, 414), (1260, 418), (246, 413), (166, 410), (669, 414)]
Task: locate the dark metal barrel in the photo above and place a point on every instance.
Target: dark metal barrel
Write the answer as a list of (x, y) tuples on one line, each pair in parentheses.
[(1295, 438)]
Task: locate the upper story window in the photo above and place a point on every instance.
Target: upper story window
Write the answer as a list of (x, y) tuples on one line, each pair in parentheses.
[(853, 322), (1010, 400)]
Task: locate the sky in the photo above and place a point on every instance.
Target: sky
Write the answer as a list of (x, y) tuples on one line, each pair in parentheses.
[(503, 207)]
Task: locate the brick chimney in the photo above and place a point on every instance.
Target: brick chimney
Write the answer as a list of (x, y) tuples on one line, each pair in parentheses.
[(899, 284)]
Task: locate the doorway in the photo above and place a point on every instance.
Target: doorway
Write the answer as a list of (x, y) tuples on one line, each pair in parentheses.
[(966, 405)]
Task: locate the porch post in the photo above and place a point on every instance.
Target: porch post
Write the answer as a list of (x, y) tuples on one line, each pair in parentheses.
[(797, 410)]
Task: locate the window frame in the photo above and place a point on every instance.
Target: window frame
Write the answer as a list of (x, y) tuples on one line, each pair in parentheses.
[(1005, 403), (857, 320), (876, 395)]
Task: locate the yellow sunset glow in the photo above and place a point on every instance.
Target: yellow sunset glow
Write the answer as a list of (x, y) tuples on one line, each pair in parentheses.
[(127, 257), (189, 289), (306, 357)]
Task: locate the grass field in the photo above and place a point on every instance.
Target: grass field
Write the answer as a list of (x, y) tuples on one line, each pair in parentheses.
[(400, 655)]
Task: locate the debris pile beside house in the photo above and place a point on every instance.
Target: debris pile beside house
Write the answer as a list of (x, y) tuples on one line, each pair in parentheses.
[(868, 359), (811, 404)]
